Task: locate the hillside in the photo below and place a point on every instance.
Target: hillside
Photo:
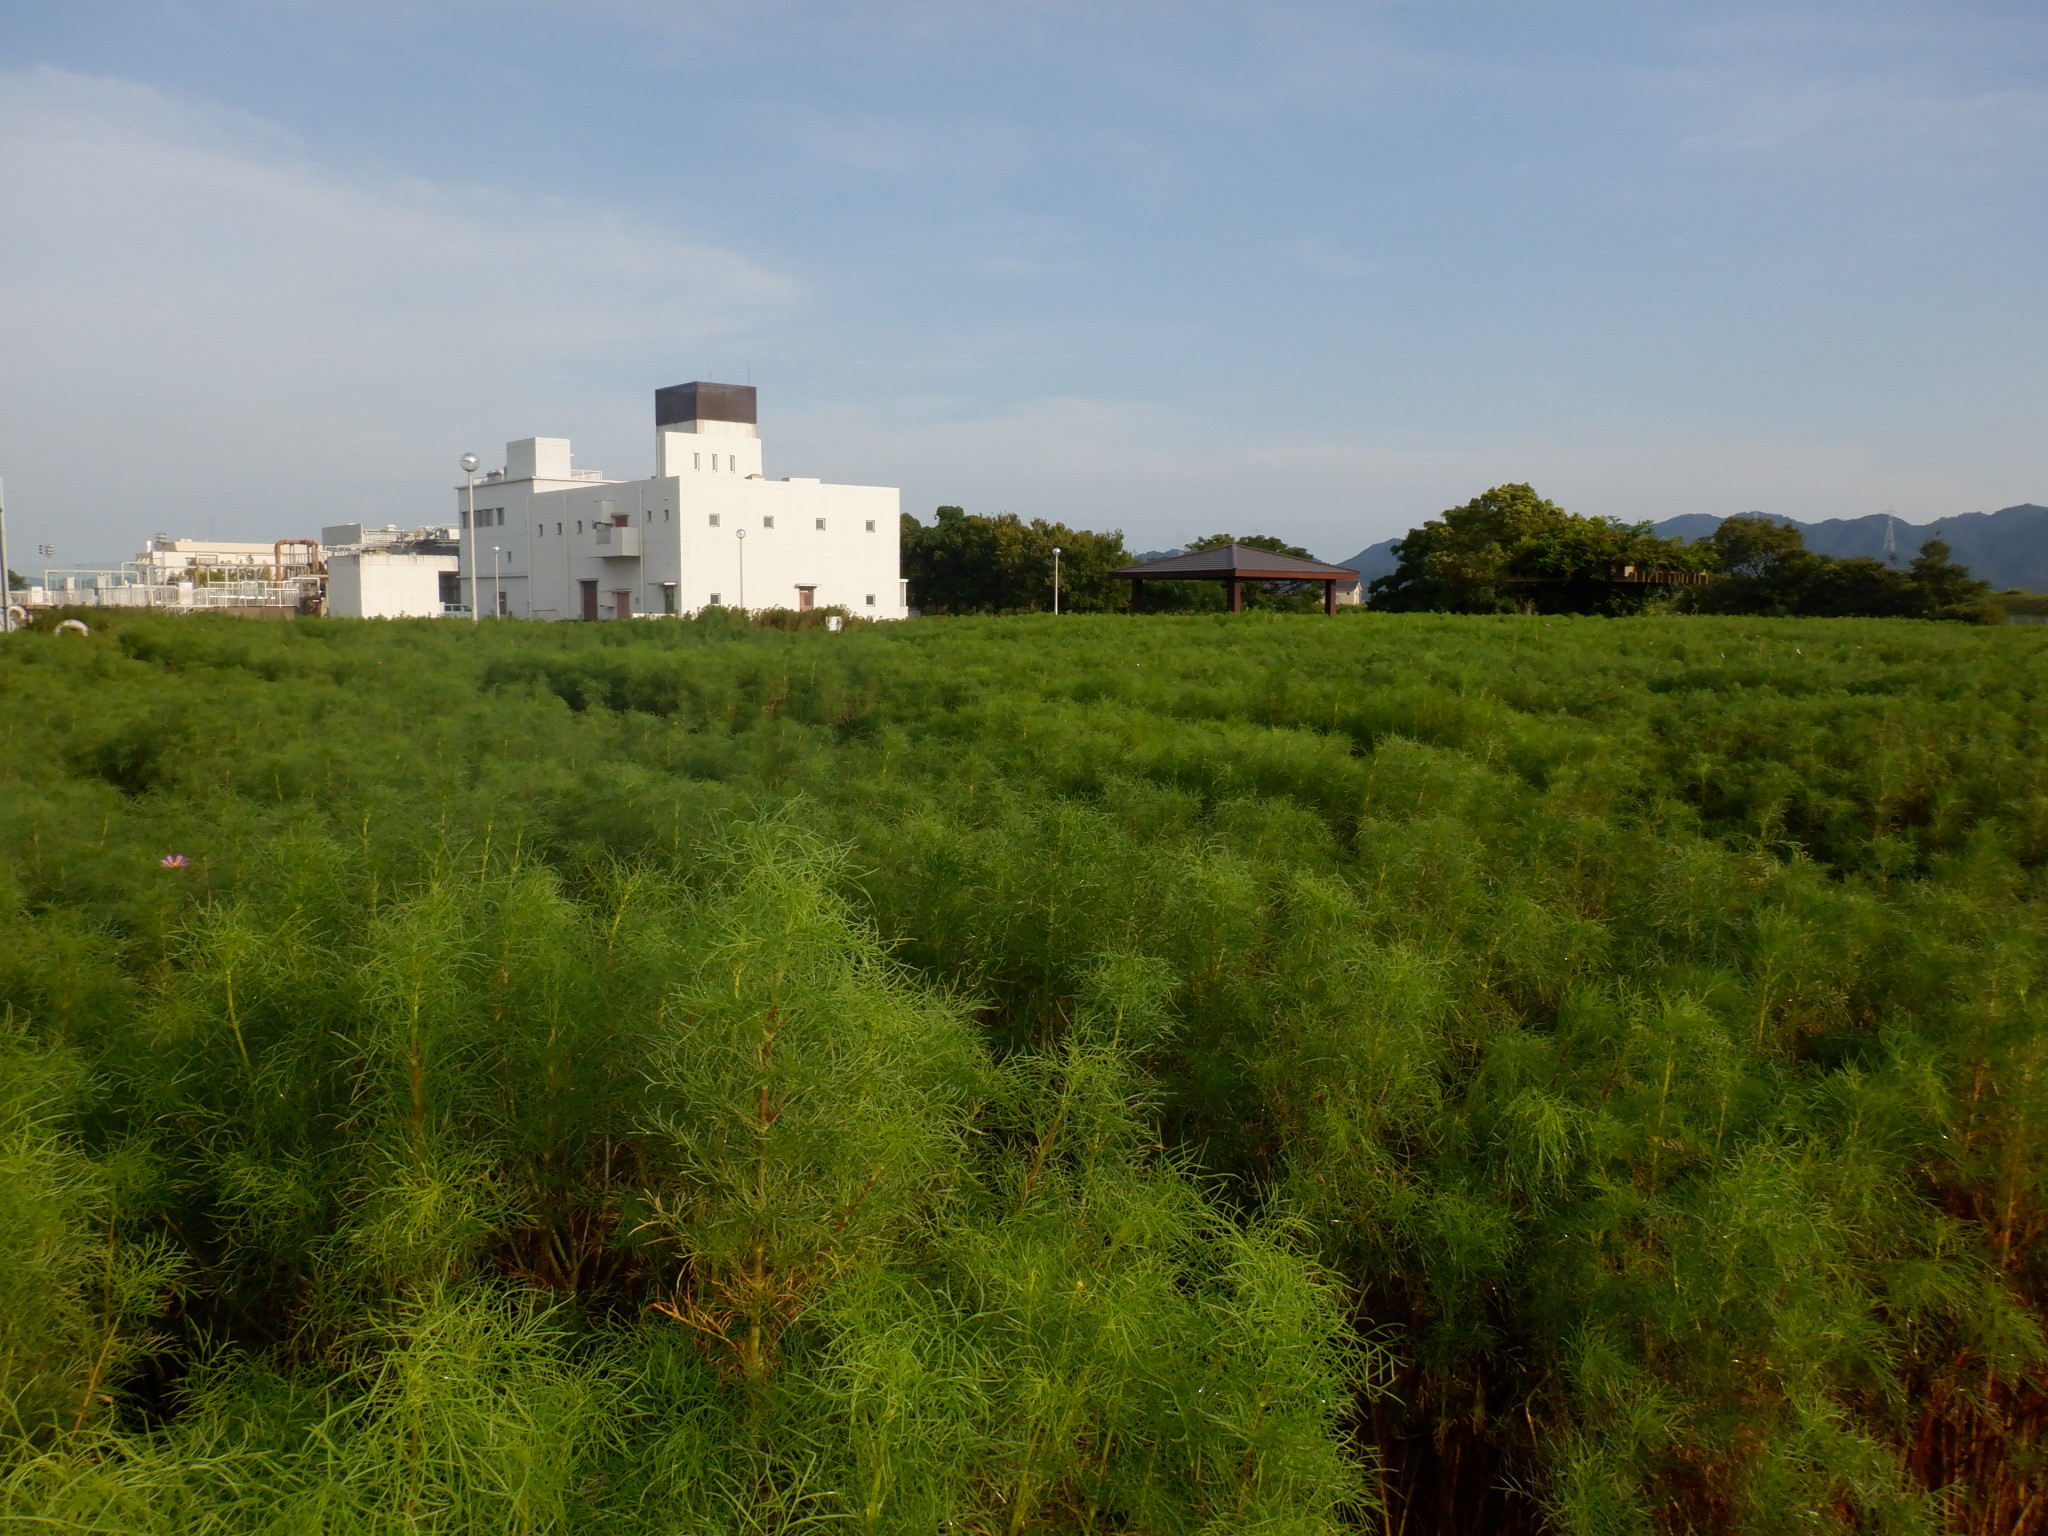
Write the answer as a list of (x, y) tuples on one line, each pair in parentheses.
[(2008, 548)]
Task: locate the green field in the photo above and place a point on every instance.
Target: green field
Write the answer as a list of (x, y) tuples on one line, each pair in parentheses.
[(1273, 1074)]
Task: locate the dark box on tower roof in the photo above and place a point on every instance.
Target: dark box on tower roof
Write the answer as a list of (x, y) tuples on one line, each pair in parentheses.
[(703, 402)]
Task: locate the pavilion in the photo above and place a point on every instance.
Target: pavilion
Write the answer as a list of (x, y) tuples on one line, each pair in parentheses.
[(1233, 565)]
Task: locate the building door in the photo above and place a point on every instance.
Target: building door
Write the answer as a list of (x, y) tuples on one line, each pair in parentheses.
[(806, 599), (589, 600), (622, 605)]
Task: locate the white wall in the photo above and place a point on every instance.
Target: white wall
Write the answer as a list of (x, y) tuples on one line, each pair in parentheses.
[(854, 557), (380, 586), (548, 543)]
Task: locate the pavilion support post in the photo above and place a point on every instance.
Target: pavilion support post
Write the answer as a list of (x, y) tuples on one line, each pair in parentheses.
[(1330, 596), (1236, 594), (1137, 595)]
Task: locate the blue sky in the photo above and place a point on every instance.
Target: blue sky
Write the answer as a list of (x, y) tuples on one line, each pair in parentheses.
[(1314, 270)]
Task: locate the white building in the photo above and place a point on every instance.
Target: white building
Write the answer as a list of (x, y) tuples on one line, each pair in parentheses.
[(391, 572), (166, 560), (552, 542)]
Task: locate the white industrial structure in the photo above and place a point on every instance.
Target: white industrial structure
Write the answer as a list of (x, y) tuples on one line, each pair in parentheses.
[(391, 572), (279, 579), (706, 530)]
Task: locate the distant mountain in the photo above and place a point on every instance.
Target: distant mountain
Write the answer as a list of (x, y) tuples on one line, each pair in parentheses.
[(2008, 548), (1374, 560)]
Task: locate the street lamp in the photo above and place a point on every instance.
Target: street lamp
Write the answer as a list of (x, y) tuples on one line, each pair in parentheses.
[(1055, 578), (6, 575), (497, 595), (469, 463), (741, 534)]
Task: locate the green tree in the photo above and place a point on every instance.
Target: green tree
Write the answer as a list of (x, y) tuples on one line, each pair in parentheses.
[(965, 563), (1768, 570), (1510, 550), (1948, 591)]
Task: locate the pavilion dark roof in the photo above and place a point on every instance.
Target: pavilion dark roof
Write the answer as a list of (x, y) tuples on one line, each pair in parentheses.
[(1239, 560)]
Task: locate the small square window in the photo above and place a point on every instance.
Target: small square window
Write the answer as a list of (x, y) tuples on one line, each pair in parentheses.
[(717, 601), (767, 522), (871, 525), (714, 519), (821, 525), (871, 599)]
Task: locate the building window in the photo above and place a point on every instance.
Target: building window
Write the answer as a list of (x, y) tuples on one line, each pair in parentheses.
[(767, 522), (668, 597), (731, 463), (699, 458), (821, 525), (717, 601), (540, 531), (579, 525), (871, 525), (871, 599), (501, 605), (664, 515), (806, 599), (558, 530), (714, 519)]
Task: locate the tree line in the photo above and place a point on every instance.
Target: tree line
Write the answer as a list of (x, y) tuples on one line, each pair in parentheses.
[(1507, 550), (965, 564)]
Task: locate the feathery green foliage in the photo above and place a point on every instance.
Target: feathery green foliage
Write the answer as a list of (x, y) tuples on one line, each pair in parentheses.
[(1167, 1075)]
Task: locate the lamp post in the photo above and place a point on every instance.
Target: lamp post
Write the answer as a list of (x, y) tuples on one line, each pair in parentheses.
[(741, 534), (1055, 578), (469, 462), (497, 594), (6, 576)]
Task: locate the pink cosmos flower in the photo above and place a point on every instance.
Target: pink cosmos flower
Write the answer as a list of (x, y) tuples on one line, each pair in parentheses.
[(174, 861)]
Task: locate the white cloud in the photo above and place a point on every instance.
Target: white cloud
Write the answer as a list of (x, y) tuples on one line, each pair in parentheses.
[(205, 326)]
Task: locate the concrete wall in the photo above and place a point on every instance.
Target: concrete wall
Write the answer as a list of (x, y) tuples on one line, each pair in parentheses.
[(682, 544), (380, 586)]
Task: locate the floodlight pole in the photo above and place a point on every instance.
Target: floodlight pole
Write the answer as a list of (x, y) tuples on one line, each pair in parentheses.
[(497, 593), (6, 575), (469, 463), (741, 535), (1055, 578)]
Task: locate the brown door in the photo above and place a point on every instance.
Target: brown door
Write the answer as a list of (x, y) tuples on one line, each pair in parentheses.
[(622, 605), (589, 600), (806, 599)]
